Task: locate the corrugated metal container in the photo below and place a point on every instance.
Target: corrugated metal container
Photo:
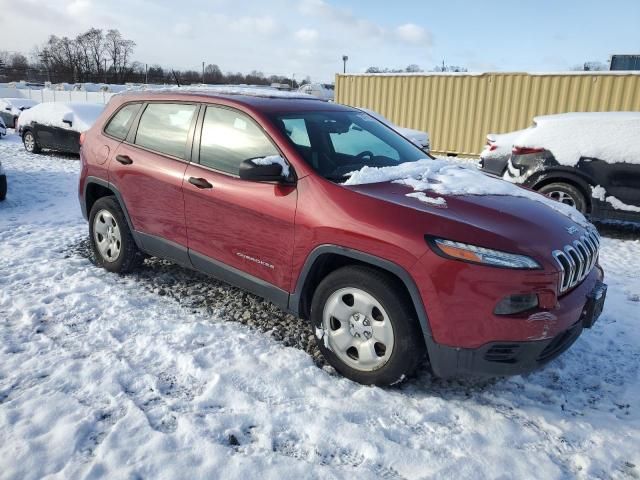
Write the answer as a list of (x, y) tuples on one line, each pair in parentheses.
[(458, 110)]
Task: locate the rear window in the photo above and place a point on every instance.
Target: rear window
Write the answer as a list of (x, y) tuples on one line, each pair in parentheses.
[(119, 124), (164, 127)]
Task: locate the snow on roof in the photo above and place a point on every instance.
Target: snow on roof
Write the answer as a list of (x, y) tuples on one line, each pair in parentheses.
[(17, 102), (445, 177), (613, 137), (254, 91), (81, 115)]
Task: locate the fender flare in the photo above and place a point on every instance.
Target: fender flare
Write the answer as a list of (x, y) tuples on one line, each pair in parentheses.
[(103, 183), (296, 297)]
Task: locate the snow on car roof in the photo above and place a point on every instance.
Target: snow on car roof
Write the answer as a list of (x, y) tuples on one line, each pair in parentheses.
[(577, 116), (613, 137), (253, 91), (18, 102), (81, 115)]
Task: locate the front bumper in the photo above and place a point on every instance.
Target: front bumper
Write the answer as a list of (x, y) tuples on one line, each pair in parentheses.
[(503, 358), (500, 358)]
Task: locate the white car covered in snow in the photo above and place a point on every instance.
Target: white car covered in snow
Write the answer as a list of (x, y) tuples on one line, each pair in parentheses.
[(12, 108), (418, 137), (57, 126), (325, 91), (590, 161)]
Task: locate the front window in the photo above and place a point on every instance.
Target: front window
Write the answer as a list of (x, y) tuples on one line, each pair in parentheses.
[(337, 143)]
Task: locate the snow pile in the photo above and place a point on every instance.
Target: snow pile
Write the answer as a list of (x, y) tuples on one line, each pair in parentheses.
[(16, 105), (609, 136), (81, 115), (599, 193), (273, 159), (444, 177)]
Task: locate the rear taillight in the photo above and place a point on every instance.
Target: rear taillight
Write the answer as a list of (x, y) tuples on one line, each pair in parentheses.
[(492, 146), (526, 150), (81, 138)]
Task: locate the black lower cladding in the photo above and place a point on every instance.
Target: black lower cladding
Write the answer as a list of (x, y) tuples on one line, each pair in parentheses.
[(500, 358)]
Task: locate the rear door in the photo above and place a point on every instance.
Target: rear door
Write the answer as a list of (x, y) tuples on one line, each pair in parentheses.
[(232, 224), (148, 169)]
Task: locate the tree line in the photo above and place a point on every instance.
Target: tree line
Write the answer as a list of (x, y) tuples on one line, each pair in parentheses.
[(97, 56)]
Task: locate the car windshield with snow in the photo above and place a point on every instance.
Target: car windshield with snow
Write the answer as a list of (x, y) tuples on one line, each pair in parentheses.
[(333, 216)]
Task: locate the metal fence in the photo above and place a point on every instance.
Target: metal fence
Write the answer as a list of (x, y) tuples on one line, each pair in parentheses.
[(41, 95), (458, 110)]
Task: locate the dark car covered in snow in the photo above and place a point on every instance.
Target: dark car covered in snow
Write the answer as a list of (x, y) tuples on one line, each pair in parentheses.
[(57, 126), (590, 161), (12, 108)]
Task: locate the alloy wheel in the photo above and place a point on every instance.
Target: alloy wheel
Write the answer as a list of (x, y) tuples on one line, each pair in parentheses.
[(562, 197), (29, 142)]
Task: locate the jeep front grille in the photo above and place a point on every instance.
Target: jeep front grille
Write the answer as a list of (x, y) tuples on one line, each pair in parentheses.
[(577, 259)]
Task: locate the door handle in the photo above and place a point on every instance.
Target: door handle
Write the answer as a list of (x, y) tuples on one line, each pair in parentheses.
[(200, 182), (124, 159)]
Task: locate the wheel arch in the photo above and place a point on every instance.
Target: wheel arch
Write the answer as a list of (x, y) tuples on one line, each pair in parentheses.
[(581, 182), (96, 188), (327, 258)]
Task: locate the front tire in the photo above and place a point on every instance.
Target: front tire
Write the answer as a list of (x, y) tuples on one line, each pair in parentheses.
[(567, 194), (111, 241), (365, 326), (30, 143)]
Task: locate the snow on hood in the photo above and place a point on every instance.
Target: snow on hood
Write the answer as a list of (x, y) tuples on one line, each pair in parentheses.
[(609, 136), (16, 104), (81, 115), (444, 177)]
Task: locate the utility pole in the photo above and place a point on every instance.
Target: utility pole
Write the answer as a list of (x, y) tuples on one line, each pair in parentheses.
[(344, 63), (203, 73)]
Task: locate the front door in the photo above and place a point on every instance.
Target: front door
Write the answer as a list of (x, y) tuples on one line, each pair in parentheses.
[(242, 226)]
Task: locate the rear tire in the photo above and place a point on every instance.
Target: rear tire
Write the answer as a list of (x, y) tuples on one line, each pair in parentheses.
[(567, 194), (111, 241), (30, 143), (3, 187), (367, 328)]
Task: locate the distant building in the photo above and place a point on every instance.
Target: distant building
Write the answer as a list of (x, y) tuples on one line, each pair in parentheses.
[(625, 62)]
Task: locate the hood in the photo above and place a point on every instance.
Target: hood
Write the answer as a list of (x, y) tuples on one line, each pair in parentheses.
[(509, 223)]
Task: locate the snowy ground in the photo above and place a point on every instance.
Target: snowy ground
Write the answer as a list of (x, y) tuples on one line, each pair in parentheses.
[(158, 375)]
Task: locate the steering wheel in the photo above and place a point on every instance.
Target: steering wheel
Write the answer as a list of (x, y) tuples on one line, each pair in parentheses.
[(366, 153)]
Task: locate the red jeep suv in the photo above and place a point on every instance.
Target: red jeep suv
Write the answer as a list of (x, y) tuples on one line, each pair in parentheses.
[(250, 188)]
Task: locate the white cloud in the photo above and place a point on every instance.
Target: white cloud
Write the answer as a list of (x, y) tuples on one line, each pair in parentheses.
[(412, 33), (263, 25), (182, 29), (306, 35), (78, 7)]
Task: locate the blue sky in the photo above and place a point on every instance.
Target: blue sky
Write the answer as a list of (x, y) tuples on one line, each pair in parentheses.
[(308, 37)]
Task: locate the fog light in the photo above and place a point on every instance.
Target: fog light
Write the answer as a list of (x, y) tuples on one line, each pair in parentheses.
[(512, 304)]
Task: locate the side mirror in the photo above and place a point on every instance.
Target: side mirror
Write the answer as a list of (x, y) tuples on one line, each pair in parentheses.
[(265, 171), (8, 109), (68, 122)]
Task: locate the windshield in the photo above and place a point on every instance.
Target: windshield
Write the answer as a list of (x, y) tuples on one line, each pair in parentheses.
[(337, 143)]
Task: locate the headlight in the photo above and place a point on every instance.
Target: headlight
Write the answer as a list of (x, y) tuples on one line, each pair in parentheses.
[(481, 255)]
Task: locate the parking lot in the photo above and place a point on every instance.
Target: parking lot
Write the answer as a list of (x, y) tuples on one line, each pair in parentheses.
[(168, 374)]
